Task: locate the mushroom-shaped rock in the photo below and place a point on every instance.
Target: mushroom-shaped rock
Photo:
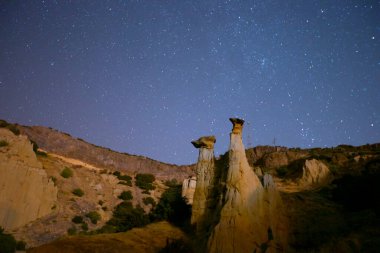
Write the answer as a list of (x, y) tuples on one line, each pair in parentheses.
[(205, 142), (205, 174), (237, 125)]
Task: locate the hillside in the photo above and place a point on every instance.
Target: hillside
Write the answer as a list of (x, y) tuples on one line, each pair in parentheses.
[(63, 144), (328, 196)]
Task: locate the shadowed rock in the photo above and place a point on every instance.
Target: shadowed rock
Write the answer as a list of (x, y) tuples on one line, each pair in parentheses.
[(205, 142), (237, 125)]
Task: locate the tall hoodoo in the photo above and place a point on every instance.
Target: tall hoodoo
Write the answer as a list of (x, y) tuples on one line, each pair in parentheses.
[(205, 174), (236, 230)]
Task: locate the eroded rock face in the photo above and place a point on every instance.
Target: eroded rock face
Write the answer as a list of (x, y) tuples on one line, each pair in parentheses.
[(250, 215), (204, 178), (314, 173), (188, 189), (26, 192)]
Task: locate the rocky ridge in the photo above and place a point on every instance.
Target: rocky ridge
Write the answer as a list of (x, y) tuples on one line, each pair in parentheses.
[(63, 144)]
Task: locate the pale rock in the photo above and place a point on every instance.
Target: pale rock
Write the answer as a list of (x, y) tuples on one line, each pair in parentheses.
[(314, 173), (251, 217), (188, 189), (204, 175), (26, 192)]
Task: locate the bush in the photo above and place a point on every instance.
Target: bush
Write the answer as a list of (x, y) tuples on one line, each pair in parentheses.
[(72, 231), (77, 219), (20, 245), (78, 192), (84, 226), (172, 207), (144, 181), (94, 217), (126, 195), (3, 143), (126, 217), (67, 172), (7, 242), (125, 179), (149, 200)]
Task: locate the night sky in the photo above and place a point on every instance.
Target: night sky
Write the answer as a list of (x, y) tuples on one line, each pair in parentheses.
[(147, 77)]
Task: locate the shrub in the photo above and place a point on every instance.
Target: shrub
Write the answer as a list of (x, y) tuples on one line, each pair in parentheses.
[(3, 143), (100, 202), (94, 217), (149, 200), (20, 245), (7, 242), (78, 192), (77, 219), (126, 195), (171, 183), (84, 226), (172, 207), (144, 181), (126, 217), (72, 231), (116, 173), (67, 172)]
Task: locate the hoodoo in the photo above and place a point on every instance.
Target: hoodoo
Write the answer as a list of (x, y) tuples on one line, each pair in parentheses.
[(204, 174), (231, 207)]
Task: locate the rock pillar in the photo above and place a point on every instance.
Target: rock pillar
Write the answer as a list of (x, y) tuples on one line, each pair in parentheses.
[(204, 174)]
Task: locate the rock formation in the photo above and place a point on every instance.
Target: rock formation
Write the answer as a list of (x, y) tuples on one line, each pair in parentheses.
[(26, 192), (231, 208), (314, 173), (188, 189), (204, 175)]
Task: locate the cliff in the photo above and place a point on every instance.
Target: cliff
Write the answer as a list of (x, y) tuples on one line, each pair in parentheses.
[(26, 192)]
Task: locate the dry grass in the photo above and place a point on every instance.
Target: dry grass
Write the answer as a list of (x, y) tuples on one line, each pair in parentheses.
[(148, 239)]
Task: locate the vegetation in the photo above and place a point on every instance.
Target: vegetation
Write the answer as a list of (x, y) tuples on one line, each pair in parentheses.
[(172, 207), (292, 170), (78, 192), (125, 217), (84, 226), (145, 182), (77, 219), (94, 217), (67, 172), (72, 231), (13, 128), (149, 201), (126, 195), (3, 143), (7, 242), (124, 179)]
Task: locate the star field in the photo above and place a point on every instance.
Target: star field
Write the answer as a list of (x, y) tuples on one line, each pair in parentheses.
[(147, 77)]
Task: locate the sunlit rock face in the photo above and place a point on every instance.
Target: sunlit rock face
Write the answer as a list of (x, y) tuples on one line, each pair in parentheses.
[(250, 215), (26, 192), (314, 173), (188, 189), (204, 178)]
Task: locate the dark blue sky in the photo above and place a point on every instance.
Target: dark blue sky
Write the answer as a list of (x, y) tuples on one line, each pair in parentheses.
[(147, 77)]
